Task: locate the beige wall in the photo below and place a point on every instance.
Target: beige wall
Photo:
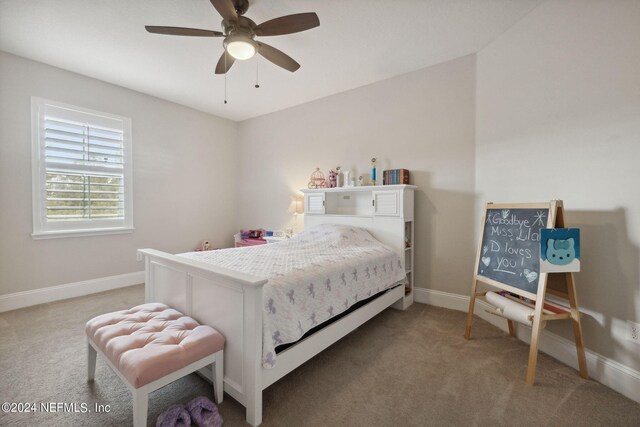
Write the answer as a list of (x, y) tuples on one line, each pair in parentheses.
[(558, 116), (184, 170), (422, 121)]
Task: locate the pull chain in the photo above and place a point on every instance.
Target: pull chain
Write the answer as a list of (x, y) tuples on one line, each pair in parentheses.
[(257, 85), (225, 77)]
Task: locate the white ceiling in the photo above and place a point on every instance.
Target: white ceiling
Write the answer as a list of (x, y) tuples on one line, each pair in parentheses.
[(358, 42)]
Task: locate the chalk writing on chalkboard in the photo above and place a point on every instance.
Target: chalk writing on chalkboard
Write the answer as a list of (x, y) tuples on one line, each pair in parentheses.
[(511, 246)]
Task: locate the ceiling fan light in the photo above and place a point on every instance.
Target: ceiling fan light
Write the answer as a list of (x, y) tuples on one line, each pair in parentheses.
[(241, 48)]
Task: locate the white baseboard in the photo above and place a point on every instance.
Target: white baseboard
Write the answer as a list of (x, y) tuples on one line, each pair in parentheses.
[(613, 374), (70, 290)]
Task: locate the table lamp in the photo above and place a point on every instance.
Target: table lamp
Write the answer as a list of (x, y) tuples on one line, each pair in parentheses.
[(296, 207)]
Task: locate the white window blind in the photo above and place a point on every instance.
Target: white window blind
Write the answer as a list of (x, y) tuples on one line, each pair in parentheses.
[(83, 171)]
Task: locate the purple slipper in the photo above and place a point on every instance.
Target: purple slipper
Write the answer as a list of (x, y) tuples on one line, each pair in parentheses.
[(174, 416), (204, 413)]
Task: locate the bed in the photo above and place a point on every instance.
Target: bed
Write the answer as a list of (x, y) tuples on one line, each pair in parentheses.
[(270, 301)]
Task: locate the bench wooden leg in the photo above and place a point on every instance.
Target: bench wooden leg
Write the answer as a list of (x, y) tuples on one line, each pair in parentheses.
[(218, 377), (140, 406), (91, 362)]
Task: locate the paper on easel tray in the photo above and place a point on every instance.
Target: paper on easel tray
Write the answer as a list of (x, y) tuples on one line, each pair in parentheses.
[(510, 309)]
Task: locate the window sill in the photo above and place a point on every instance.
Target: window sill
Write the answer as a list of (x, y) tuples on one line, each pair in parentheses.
[(80, 233)]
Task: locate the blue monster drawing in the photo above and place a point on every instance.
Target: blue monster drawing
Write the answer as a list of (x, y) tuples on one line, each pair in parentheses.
[(560, 252)]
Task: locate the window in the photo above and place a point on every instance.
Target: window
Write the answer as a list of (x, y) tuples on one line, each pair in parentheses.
[(81, 171)]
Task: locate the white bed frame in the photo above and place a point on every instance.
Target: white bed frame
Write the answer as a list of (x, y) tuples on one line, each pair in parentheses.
[(231, 302)]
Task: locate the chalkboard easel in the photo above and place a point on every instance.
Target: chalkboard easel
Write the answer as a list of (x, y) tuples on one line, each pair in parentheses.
[(508, 258)]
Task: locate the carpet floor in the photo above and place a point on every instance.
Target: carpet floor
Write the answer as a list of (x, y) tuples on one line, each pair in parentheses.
[(409, 368)]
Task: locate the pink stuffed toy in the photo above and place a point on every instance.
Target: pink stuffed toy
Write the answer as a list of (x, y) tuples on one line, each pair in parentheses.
[(333, 179), (204, 246)]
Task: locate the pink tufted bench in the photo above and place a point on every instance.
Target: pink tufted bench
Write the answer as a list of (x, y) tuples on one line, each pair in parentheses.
[(150, 346)]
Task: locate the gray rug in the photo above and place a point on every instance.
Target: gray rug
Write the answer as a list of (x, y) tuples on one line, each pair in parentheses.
[(409, 368)]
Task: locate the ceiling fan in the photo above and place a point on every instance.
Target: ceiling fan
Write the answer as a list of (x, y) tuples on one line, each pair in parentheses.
[(240, 33)]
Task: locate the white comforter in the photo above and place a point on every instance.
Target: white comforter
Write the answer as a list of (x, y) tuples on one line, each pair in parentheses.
[(314, 276)]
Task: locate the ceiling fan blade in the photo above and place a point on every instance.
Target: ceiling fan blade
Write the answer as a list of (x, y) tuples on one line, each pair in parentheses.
[(226, 9), (220, 68), (180, 31), (278, 57), (288, 24)]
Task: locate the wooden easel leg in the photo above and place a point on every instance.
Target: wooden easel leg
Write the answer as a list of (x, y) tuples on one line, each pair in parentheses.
[(533, 349), (472, 303), (537, 327), (512, 329), (575, 313), (577, 326)]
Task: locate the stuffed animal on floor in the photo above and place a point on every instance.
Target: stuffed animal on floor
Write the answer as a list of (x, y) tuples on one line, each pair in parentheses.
[(204, 246)]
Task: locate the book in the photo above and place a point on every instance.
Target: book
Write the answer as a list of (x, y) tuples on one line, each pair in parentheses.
[(395, 176), (404, 176)]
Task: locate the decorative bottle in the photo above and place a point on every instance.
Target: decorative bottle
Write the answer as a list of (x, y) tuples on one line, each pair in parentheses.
[(373, 171), (340, 177)]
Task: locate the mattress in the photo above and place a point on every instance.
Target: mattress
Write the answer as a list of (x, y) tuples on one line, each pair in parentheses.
[(314, 276)]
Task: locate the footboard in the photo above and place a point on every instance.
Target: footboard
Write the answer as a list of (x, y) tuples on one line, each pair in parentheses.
[(228, 300)]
